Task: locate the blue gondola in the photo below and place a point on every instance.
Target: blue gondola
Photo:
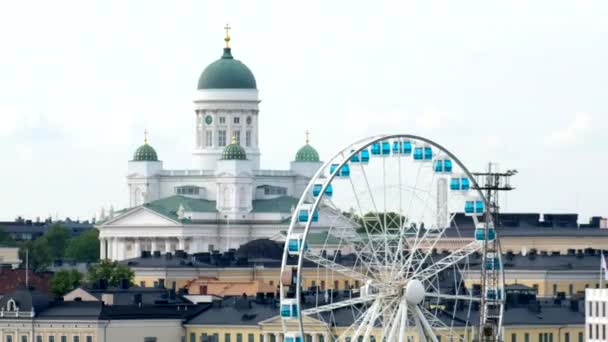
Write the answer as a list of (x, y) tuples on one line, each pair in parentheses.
[(407, 147), (292, 337), (438, 166), (386, 148), (303, 215), (479, 207), (289, 308), (396, 147), (345, 171), (492, 262), (447, 165), (376, 149), (294, 243), (492, 294), (333, 168), (364, 156), (428, 153), (417, 153), (455, 184), (469, 207), (465, 184), (316, 189), (355, 157), (480, 234)]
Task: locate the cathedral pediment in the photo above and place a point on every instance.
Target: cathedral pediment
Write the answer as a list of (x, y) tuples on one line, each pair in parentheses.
[(141, 216)]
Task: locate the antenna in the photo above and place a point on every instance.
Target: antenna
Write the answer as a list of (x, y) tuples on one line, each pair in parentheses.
[(27, 268)]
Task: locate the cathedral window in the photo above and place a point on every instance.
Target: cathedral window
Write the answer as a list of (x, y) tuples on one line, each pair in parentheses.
[(248, 138), (222, 120), (188, 190), (249, 120), (237, 136), (209, 138), (273, 190), (221, 138), (237, 120)]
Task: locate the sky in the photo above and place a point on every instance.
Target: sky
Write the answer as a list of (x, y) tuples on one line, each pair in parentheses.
[(519, 83)]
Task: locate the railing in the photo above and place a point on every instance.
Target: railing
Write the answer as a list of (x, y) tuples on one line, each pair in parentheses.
[(283, 173), (187, 173)]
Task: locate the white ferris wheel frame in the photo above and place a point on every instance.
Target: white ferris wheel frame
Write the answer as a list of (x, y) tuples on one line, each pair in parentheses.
[(422, 324)]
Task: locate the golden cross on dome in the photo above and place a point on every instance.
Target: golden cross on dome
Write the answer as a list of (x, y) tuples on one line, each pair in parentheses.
[(145, 136), (227, 38), (307, 137)]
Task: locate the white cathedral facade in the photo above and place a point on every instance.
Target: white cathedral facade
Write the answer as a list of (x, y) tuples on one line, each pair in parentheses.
[(226, 198)]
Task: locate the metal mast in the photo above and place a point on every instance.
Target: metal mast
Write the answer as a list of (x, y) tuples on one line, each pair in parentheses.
[(492, 182)]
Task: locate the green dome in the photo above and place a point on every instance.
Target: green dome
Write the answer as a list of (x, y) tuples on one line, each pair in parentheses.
[(227, 73), (234, 151), (145, 153), (307, 154)]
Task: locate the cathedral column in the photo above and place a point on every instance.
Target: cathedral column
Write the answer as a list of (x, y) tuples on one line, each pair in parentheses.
[(112, 248), (154, 246), (181, 243), (137, 247), (102, 248), (120, 248), (167, 246)]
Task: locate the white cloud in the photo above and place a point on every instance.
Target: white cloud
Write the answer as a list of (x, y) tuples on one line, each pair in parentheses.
[(571, 133)]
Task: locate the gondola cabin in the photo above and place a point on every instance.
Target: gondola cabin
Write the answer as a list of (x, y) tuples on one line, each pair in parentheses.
[(376, 149), (386, 148), (474, 207), (396, 147), (292, 337), (316, 190), (418, 153), (343, 172), (428, 153), (480, 234), (364, 156), (355, 157), (294, 243), (304, 212), (289, 308), (407, 147), (492, 262)]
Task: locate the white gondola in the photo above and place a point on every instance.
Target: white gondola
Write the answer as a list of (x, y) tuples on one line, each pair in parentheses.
[(289, 308)]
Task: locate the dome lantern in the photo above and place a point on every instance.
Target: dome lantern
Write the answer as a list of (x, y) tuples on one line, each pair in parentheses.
[(307, 153), (145, 152), (234, 151)]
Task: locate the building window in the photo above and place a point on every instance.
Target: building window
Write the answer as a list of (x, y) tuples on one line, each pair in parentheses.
[(535, 286), (567, 337), (603, 309), (188, 190), (580, 337), (249, 120), (149, 339), (226, 337), (9, 338), (64, 339), (550, 337), (77, 339), (222, 120), (51, 338), (527, 337), (250, 337), (24, 338), (273, 338), (38, 338), (204, 338), (239, 337), (590, 309), (555, 289), (513, 337), (248, 138), (273, 190), (322, 284), (597, 309), (597, 331), (346, 285), (590, 331), (321, 338), (540, 337), (570, 289), (271, 283), (209, 138), (236, 120), (221, 138), (237, 136), (336, 284), (192, 337)]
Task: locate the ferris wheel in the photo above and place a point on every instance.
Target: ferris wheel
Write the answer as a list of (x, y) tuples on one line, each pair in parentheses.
[(374, 250)]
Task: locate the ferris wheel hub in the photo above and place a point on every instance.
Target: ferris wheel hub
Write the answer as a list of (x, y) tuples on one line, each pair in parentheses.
[(414, 291)]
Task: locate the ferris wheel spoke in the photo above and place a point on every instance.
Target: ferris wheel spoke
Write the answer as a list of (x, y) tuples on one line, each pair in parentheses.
[(456, 297), (448, 261), (426, 327), (340, 304), (439, 327), (365, 322)]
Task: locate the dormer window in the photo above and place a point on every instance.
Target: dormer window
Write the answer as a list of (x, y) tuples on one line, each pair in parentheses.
[(11, 305)]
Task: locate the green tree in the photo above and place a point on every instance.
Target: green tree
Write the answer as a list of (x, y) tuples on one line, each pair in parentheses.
[(6, 240), (85, 247), (111, 271), (58, 238), (40, 254), (374, 223), (65, 281)]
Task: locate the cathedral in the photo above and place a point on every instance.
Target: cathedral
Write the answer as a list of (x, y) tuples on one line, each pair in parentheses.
[(226, 198)]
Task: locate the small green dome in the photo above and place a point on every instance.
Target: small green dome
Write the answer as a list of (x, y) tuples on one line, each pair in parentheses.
[(234, 151), (227, 73), (307, 154), (145, 153)]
